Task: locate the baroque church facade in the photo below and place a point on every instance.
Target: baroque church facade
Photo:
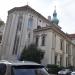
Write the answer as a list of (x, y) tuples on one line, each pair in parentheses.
[(26, 26)]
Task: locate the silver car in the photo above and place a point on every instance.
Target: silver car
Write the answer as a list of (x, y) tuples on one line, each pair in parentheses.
[(73, 73), (21, 68), (64, 72)]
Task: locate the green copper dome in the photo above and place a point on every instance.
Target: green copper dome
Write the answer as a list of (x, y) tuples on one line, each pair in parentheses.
[(55, 19)]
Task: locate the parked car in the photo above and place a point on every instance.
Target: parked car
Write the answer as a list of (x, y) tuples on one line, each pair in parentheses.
[(64, 72), (21, 68), (73, 73)]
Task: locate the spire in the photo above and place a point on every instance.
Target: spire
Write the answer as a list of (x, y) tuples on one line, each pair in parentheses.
[(55, 19)]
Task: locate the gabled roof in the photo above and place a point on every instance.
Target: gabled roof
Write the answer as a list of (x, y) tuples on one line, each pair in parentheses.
[(26, 7), (18, 8)]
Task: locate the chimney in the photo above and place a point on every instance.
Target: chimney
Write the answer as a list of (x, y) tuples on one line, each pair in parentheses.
[(49, 18)]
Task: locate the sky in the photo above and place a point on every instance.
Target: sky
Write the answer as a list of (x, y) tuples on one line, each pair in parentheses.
[(65, 10)]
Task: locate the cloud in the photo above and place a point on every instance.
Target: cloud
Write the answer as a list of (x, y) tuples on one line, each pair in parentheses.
[(68, 17)]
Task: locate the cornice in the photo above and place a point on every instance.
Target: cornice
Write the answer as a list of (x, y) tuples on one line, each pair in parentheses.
[(57, 30)]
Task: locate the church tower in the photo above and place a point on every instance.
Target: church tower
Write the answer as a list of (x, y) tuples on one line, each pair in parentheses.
[(55, 19)]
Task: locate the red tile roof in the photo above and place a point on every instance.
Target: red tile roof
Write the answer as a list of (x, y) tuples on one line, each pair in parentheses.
[(72, 36)]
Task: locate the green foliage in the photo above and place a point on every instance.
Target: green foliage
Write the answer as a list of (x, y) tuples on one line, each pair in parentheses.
[(52, 66), (53, 69), (32, 53), (2, 23), (70, 67)]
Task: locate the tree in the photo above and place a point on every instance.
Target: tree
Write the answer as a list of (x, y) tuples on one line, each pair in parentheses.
[(1, 23), (32, 53)]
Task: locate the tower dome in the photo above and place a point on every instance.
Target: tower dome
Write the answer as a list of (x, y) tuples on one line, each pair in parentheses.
[(55, 19)]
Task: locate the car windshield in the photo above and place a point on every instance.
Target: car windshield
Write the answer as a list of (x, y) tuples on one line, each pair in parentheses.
[(29, 71)]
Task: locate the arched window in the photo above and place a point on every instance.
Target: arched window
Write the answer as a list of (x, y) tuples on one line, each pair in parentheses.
[(30, 23), (16, 44), (16, 41), (20, 22)]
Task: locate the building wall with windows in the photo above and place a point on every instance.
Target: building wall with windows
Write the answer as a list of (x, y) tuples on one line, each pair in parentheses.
[(72, 36), (19, 30), (44, 42), (58, 48), (25, 26)]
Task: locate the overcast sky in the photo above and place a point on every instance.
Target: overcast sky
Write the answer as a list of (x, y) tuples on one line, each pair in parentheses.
[(65, 10)]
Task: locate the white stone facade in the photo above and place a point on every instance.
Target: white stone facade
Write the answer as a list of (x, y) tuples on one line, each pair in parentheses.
[(23, 25)]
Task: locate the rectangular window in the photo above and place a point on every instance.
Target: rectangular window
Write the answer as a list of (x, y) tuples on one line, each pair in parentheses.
[(61, 44), (37, 41), (55, 58), (43, 40), (67, 48), (61, 62), (54, 40), (66, 61), (69, 60)]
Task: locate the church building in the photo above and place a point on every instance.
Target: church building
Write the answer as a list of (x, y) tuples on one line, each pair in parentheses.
[(26, 26)]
